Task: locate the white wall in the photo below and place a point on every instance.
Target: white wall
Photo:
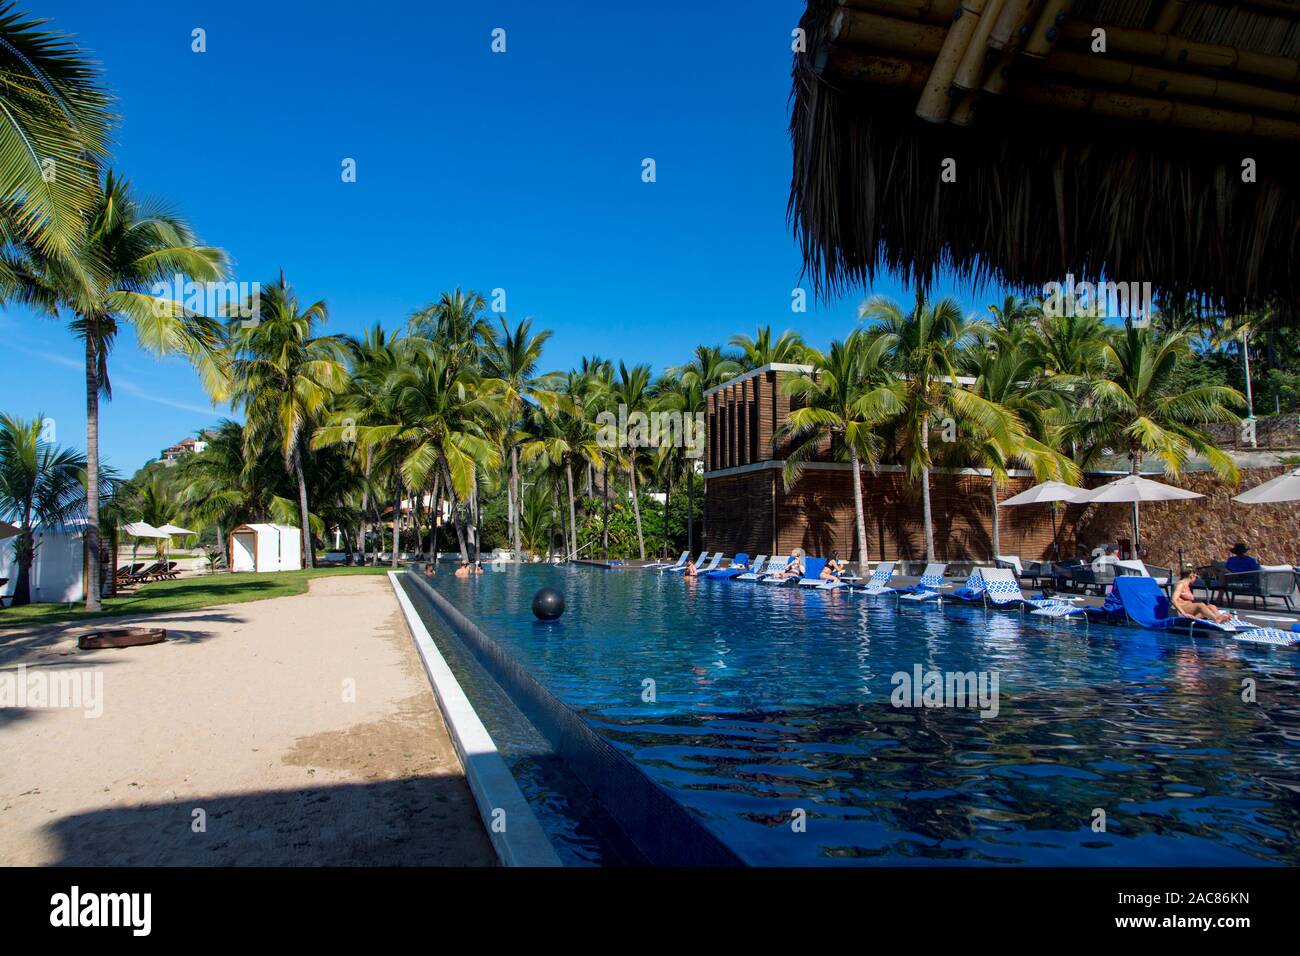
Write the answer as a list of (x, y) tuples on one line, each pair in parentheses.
[(56, 575)]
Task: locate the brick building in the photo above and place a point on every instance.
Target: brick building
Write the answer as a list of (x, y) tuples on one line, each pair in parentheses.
[(748, 508)]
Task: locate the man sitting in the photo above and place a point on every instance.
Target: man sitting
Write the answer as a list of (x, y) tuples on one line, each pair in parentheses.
[(1241, 561)]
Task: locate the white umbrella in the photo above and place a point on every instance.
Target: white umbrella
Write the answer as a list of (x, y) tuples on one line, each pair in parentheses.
[(1049, 492), (172, 531), (141, 529), (1133, 489), (1282, 488)]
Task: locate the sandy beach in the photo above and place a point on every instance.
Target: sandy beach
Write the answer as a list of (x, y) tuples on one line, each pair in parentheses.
[(297, 730)]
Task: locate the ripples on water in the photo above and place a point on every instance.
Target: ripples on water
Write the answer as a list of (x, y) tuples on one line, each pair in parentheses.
[(772, 700)]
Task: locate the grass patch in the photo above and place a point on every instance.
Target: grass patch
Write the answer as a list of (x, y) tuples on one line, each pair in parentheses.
[(183, 594)]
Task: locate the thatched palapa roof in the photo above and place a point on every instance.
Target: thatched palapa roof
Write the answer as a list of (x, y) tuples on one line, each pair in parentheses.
[(1126, 163)]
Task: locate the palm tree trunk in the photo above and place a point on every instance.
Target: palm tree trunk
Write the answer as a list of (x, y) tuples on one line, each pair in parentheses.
[(92, 466), (397, 521), (573, 520), (925, 489), (690, 510), (636, 505), (25, 551), (591, 470), (436, 520), (997, 530), (604, 511), (859, 516), (457, 519), (308, 557), (516, 502), (668, 497)]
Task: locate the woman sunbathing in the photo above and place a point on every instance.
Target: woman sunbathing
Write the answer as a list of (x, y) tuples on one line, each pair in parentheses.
[(1185, 603), (833, 568), (792, 570)]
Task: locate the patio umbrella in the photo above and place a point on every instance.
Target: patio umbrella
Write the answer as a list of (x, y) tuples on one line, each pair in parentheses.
[(1133, 489), (172, 531), (1049, 492), (141, 529), (1282, 488)]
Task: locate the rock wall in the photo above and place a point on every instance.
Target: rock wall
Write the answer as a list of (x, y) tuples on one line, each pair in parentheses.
[(1204, 528)]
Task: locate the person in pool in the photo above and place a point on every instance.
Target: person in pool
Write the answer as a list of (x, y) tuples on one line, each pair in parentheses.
[(467, 569), (1185, 602), (429, 569), (691, 570)]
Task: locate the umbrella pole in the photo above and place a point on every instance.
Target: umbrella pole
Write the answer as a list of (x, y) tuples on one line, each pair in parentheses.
[(1136, 528), (1056, 544)]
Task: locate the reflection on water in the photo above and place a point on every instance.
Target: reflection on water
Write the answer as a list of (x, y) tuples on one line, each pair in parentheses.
[(770, 701)]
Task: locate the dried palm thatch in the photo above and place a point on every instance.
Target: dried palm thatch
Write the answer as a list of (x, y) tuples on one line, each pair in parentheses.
[(1126, 164)]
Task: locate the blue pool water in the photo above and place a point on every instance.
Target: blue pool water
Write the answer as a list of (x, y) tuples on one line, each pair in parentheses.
[(773, 705)]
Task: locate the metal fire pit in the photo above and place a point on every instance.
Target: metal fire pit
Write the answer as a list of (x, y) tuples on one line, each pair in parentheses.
[(122, 637)]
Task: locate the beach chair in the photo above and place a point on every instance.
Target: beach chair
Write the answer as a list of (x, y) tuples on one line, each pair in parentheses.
[(700, 570), (144, 574), (681, 565), (772, 578), (167, 572), (1141, 602), (878, 583), (926, 589), (732, 571), (1001, 589), (680, 562), (777, 563), (124, 574), (1140, 569), (812, 573)]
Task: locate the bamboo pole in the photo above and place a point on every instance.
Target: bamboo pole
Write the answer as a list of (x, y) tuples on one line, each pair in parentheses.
[(930, 11), (970, 72), (852, 67), (872, 31), (1171, 83), (1014, 16), (1048, 27), (935, 104), (1169, 15), (1185, 52)]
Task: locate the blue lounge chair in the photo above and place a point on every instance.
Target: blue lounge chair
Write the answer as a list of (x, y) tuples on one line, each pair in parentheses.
[(1001, 589), (1143, 603), (679, 563), (732, 573), (777, 563), (741, 559), (878, 583), (972, 592), (927, 588), (812, 573)]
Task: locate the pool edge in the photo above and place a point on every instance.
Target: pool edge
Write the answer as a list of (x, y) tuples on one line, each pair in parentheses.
[(493, 786)]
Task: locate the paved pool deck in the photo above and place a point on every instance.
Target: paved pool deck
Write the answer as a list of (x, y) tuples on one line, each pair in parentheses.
[(293, 731)]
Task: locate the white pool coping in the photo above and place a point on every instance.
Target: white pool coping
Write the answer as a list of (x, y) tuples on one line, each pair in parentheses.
[(522, 842)]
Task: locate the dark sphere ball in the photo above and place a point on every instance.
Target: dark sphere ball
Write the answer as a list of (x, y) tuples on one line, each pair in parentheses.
[(548, 604)]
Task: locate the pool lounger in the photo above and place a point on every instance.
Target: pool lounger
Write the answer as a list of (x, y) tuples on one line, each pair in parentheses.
[(679, 563), (812, 575), (1142, 602), (1002, 590), (973, 591), (776, 564), (878, 583), (926, 589), (771, 577), (681, 568), (741, 559), (699, 571)]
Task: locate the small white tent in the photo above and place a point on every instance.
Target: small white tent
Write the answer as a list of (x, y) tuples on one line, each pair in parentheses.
[(265, 547), (58, 570)]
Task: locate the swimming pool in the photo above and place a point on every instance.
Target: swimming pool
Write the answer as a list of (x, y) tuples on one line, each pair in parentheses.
[(767, 714)]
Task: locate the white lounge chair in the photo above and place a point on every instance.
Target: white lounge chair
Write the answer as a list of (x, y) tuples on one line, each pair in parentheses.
[(1002, 589), (926, 589), (680, 562), (758, 571), (681, 565), (878, 583)]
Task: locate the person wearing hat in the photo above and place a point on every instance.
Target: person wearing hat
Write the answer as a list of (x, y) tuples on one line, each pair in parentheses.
[(1241, 561)]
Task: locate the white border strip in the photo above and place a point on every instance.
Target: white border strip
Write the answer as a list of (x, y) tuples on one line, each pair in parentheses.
[(523, 842)]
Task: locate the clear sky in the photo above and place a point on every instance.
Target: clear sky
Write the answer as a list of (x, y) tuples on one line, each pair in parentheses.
[(519, 170)]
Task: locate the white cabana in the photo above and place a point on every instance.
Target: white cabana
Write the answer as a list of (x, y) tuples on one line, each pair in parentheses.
[(1132, 489), (1282, 488), (265, 547), (58, 568)]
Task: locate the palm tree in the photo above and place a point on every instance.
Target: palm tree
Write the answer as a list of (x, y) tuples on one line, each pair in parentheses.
[(1137, 405), (455, 321), (137, 247), (846, 396), (1007, 375), (709, 368), (510, 360), (55, 120), (631, 390), (283, 378), (40, 483), (924, 349), (761, 350)]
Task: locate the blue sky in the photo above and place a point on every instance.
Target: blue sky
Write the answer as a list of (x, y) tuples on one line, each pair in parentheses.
[(519, 171)]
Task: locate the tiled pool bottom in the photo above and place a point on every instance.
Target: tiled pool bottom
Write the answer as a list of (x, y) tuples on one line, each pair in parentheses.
[(771, 705)]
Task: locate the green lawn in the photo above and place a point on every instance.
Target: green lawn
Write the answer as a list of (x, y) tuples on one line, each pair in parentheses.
[(184, 594)]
